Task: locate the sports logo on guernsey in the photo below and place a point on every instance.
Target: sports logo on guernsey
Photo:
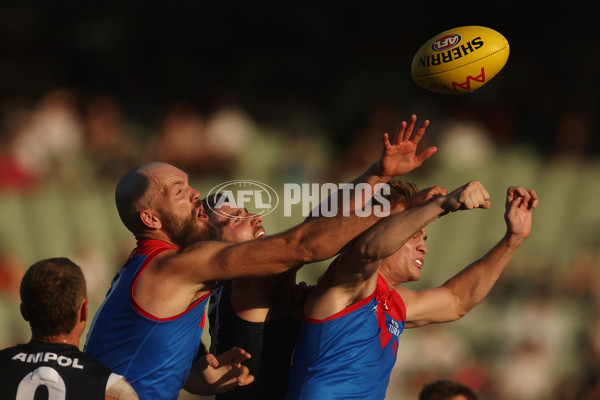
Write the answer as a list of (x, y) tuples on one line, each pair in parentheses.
[(394, 328), (446, 42), (36, 358), (389, 329)]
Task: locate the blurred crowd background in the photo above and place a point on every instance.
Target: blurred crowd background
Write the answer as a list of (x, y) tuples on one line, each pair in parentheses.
[(303, 93)]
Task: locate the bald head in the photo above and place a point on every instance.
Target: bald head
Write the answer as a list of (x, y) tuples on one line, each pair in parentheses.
[(135, 192)]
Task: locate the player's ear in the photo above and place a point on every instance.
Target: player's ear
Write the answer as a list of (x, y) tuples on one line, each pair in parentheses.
[(149, 219), (84, 310)]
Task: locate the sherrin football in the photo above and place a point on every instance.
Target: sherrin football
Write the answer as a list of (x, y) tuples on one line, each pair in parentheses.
[(460, 60)]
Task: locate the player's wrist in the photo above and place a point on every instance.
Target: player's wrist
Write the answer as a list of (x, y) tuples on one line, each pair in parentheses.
[(375, 172), (513, 240), (446, 204)]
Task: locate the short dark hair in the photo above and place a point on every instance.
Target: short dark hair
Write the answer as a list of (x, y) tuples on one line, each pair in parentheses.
[(210, 202), (445, 390), (51, 292)]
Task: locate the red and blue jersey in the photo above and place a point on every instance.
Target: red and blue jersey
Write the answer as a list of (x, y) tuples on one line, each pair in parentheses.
[(349, 355), (154, 354)]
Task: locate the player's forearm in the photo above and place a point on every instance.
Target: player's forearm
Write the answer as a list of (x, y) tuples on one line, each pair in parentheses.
[(312, 241), (315, 240), (371, 177), (472, 284), (346, 196), (387, 236), (322, 238)]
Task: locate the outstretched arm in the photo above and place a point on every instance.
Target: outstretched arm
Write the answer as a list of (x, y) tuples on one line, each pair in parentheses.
[(387, 236), (176, 278), (314, 240), (360, 261), (462, 292), (349, 277)]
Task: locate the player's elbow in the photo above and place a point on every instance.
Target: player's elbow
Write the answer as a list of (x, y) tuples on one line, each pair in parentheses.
[(369, 251), (457, 307), (462, 308), (460, 312), (305, 253), (303, 250)]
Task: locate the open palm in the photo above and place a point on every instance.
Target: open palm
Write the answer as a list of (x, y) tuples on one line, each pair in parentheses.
[(399, 156)]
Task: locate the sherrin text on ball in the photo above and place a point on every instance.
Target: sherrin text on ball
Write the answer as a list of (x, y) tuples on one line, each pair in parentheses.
[(460, 60)]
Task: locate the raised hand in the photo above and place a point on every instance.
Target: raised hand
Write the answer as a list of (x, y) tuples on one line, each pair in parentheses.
[(520, 203), (399, 155)]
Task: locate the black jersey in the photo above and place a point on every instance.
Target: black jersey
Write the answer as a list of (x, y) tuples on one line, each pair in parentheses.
[(50, 371), (270, 344)]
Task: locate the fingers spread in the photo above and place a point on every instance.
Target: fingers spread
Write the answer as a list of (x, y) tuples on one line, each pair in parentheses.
[(425, 154), (409, 127), (421, 131), (400, 134), (386, 141)]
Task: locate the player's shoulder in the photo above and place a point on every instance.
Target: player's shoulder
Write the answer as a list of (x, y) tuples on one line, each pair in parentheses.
[(404, 292), (8, 352), (18, 348), (202, 250), (207, 246)]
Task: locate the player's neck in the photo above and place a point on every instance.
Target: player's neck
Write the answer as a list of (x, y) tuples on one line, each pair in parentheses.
[(155, 235), (387, 280), (62, 339)]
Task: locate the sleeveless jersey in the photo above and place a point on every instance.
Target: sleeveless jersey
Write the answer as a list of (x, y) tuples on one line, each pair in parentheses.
[(53, 371), (154, 354), (270, 343), (349, 355)]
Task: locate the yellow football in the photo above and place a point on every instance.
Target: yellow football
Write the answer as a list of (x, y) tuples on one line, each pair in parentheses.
[(460, 60)]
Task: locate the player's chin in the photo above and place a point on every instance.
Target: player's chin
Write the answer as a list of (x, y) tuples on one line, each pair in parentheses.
[(416, 275), (207, 231)]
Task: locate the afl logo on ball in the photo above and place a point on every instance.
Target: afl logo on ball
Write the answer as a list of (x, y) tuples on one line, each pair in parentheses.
[(446, 42)]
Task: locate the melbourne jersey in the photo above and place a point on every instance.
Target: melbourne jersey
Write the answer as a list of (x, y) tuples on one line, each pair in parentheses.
[(270, 343), (154, 354), (51, 371), (349, 355)]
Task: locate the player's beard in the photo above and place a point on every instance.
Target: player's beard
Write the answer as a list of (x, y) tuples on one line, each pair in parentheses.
[(187, 231)]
